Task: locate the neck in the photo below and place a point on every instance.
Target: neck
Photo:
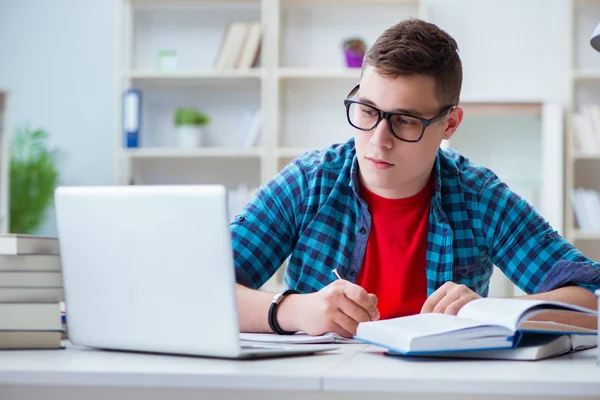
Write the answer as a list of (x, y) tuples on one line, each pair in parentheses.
[(407, 189)]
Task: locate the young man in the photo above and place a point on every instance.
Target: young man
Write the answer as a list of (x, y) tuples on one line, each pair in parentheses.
[(409, 227)]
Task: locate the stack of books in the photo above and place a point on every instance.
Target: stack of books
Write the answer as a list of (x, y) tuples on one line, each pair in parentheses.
[(31, 292)]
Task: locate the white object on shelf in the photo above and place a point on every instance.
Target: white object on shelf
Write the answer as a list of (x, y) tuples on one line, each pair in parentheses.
[(167, 60), (190, 135)]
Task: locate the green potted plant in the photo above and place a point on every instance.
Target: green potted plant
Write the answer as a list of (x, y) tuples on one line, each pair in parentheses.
[(190, 125), (33, 177)]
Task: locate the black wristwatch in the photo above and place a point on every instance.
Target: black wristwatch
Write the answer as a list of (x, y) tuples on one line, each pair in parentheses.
[(273, 312)]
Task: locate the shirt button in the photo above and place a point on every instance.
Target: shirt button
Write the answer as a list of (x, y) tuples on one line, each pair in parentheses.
[(240, 218), (362, 230), (353, 273)]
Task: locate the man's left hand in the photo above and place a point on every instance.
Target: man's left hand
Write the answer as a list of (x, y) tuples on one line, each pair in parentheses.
[(449, 299)]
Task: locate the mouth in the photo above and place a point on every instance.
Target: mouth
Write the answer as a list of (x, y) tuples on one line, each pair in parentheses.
[(378, 163)]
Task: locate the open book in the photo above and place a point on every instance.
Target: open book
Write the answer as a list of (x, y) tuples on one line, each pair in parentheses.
[(298, 338), (483, 324)]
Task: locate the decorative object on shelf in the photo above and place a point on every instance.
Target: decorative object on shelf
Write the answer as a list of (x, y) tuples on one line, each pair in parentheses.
[(190, 125), (33, 177), (167, 60), (131, 118), (354, 52)]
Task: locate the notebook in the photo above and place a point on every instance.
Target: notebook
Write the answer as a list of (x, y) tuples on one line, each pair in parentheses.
[(150, 268), (483, 324), (297, 338)]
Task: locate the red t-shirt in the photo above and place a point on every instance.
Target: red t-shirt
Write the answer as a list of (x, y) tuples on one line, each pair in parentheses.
[(394, 265)]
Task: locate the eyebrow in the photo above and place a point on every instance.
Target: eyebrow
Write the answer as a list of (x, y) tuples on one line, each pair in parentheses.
[(410, 111)]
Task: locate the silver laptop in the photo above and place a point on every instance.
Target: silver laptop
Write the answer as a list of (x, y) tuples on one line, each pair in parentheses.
[(150, 268)]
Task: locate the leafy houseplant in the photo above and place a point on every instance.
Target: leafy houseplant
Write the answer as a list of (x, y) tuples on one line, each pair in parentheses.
[(189, 124), (33, 178)]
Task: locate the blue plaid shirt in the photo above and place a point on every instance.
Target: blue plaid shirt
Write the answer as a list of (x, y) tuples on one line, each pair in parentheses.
[(312, 213)]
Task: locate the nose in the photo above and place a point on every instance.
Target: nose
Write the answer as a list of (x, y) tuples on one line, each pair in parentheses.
[(381, 135)]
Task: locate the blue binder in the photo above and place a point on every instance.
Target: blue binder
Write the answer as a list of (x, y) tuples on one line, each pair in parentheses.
[(131, 118)]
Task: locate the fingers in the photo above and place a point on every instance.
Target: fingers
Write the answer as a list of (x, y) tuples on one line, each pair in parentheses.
[(449, 299), (435, 298), (360, 296), (345, 325), (353, 310), (373, 298)]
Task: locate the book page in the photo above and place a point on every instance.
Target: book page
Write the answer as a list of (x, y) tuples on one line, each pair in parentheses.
[(501, 311), (510, 312)]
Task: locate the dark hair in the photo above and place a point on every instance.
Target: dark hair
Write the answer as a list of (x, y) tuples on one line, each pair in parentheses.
[(416, 47)]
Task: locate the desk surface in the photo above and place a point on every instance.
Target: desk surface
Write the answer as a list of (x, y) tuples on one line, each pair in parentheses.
[(371, 371), (81, 366), (353, 368)]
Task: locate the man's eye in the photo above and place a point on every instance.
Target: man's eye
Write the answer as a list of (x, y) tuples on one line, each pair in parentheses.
[(369, 112)]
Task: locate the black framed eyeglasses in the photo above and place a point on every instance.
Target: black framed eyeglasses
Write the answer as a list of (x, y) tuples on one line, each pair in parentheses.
[(405, 127)]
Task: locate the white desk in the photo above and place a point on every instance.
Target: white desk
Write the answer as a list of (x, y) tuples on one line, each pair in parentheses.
[(353, 372)]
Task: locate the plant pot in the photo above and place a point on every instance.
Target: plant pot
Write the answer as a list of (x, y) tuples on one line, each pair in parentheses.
[(353, 60), (189, 135)]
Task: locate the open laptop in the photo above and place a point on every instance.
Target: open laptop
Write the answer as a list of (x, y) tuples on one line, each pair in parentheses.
[(150, 268)]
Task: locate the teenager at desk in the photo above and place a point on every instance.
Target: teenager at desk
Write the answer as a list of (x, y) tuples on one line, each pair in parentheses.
[(411, 228)]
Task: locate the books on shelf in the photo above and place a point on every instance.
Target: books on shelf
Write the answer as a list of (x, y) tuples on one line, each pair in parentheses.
[(586, 129), (31, 292), (240, 46), (499, 324), (248, 132), (586, 207)]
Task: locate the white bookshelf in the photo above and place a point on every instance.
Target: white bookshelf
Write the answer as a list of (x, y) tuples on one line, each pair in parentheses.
[(300, 60), (583, 88), (300, 93), (4, 165)]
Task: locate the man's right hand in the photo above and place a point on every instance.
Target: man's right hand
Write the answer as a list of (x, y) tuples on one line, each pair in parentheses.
[(339, 308)]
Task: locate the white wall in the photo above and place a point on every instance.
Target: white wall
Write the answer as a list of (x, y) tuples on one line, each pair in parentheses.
[(58, 60)]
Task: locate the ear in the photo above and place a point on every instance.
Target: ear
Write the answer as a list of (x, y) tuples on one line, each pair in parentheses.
[(452, 122)]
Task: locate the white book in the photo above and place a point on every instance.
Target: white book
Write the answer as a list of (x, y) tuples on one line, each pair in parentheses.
[(254, 130), (297, 338), (31, 279), (30, 317), (30, 262), (15, 244), (243, 129), (585, 134), (233, 46), (31, 295), (483, 324), (580, 210), (251, 47)]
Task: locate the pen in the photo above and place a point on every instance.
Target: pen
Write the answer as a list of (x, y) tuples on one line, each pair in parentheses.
[(337, 275)]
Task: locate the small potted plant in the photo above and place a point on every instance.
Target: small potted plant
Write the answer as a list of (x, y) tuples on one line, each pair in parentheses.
[(190, 125), (354, 52)]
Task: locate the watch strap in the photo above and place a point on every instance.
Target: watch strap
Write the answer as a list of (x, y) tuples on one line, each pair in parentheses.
[(272, 317)]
